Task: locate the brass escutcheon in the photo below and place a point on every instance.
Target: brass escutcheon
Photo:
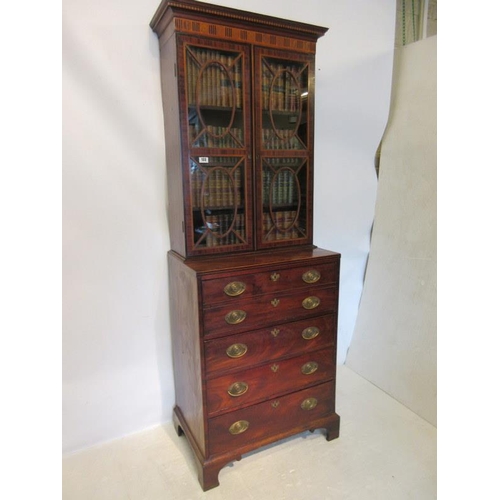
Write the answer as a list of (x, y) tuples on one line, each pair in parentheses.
[(310, 302), (235, 317), (309, 404), (275, 404), (311, 276), (275, 332), (310, 333), (275, 276), (275, 302), (275, 368), (309, 368), (239, 427), (234, 288), (236, 350), (237, 389)]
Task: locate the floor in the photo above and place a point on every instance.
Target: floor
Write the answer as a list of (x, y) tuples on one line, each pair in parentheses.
[(385, 451)]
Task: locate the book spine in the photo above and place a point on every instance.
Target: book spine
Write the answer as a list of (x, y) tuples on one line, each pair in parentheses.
[(238, 83), (224, 82), (237, 182), (281, 88), (218, 188), (227, 192), (210, 79)]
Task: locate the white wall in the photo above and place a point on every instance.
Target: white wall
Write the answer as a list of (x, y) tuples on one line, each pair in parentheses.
[(394, 344), (117, 372)]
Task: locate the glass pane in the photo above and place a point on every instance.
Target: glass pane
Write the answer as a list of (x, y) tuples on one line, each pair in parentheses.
[(284, 104), (284, 195), (214, 89), (217, 194)]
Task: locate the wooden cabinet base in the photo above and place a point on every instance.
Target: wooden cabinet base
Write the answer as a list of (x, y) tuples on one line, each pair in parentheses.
[(265, 376), (208, 468)]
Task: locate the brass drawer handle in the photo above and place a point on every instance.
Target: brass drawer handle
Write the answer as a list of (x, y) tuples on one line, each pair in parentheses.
[(275, 368), (310, 333), (311, 276), (310, 302), (235, 317), (275, 276), (275, 332), (234, 288), (237, 389), (236, 350), (275, 302), (239, 427), (309, 368), (275, 404), (309, 404)]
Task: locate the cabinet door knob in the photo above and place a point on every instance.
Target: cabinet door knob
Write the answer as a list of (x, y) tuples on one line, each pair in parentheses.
[(309, 368), (237, 389), (275, 276), (311, 276), (275, 302), (309, 404), (239, 427), (275, 368), (235, 317), (311, 302), (236, 350), (310, 333), (234, 288), (275, 332)]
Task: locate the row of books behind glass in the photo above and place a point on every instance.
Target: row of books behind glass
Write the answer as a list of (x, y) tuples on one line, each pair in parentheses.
[(281, 139), (215, 136), (284, 220), (219, 233), (217, 190), (280, 188), (279, 87), (215, 86), (219, 225)]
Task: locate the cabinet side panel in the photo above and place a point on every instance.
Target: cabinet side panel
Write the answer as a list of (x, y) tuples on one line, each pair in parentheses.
[(175, 201), (184, 316)]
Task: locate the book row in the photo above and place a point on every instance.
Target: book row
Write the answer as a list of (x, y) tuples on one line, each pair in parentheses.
[(220, 189), (282, 87), (285, 221), (219, 225), (215, 137), (214, 78), (280, 189), (287, 139)]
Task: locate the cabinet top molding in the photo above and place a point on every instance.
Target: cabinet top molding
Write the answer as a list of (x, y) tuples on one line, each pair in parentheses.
[(192, 9)]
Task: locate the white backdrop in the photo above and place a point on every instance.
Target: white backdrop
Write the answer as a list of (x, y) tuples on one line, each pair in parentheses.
[(394, 342), (117, 370)]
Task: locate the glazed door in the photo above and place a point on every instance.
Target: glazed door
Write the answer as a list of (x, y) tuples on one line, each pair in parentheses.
[(284, 145), (214, 86)]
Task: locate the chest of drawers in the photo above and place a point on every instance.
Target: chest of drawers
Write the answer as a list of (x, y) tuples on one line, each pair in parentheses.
[(254, 349)]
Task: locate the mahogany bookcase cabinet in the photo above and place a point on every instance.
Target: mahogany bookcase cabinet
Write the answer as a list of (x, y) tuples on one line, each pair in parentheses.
[(253, 303)]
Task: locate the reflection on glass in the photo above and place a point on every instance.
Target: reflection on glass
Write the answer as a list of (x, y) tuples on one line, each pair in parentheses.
[(217, 194), (214, 91)]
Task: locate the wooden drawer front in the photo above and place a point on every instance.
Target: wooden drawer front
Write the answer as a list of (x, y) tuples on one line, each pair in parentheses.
[(276, 416), (267, 310), (241, 286), (253, 385), (237, 352)]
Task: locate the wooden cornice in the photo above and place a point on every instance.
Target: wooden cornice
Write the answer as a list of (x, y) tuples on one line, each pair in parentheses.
[(169, 8)]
